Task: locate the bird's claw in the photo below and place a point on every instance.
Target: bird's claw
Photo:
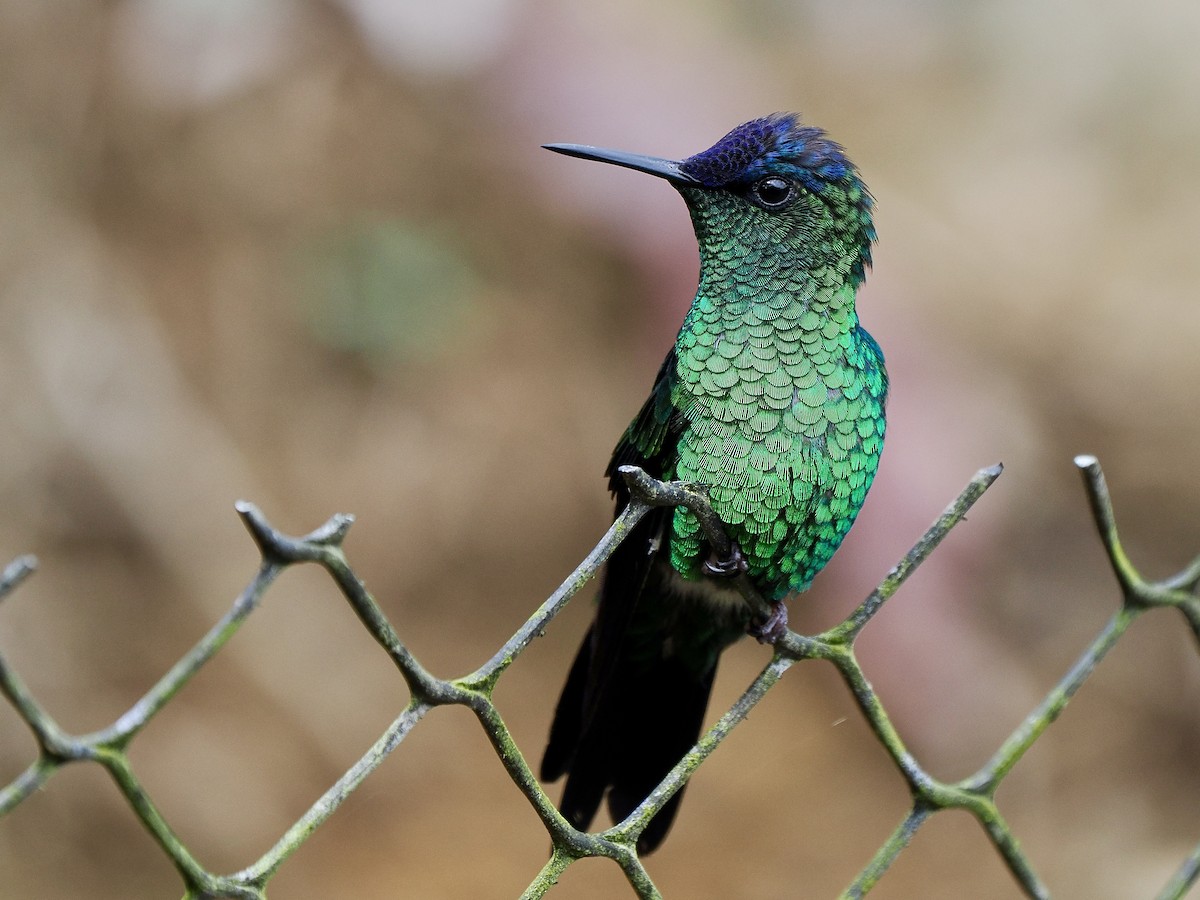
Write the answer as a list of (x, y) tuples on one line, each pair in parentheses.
[(730, 566), (771, 629)]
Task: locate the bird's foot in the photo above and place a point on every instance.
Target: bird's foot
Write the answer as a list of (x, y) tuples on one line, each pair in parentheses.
[(771, 629), (731, 566)]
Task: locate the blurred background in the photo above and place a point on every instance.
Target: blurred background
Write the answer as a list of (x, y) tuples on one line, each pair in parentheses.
[(310, 254)]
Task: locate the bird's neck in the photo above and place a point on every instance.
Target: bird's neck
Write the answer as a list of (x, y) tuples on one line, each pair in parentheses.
[(762, 287)]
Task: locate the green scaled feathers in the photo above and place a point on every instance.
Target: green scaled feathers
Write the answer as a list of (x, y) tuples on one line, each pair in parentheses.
[(782, 393)]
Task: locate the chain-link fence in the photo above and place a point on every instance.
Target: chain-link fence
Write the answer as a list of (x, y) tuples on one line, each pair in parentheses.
[(975, 794)]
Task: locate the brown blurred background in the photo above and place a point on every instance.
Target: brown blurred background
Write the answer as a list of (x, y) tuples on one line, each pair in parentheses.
[(309, 254)]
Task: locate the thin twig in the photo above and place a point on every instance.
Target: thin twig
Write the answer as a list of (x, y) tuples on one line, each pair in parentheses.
[(139, 715), (548, 877), (258, 874), (1102, 512), (484, 678), (953, 514), (631, 828), (1014, 747), (1010, 851), (1185, 876), (886, 855), (15, 573)]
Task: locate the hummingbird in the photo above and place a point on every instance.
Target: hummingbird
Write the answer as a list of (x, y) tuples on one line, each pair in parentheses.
[(772, 398)]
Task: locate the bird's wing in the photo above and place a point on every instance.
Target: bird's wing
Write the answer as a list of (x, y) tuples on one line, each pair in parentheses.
[(649, 441), (586, 710)]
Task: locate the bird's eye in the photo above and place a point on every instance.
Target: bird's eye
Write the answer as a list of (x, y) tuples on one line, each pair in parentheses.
[(773, 193)]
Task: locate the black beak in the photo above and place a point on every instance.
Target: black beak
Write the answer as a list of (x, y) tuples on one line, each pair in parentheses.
[(651, 165)]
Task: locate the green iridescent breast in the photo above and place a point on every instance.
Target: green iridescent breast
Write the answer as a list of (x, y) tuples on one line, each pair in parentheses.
[(783, 401)]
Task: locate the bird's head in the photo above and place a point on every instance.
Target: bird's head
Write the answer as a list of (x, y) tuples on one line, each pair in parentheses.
[(770, 186)]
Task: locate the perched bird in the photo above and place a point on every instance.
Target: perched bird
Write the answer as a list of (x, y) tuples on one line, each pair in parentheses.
[(773, 396)]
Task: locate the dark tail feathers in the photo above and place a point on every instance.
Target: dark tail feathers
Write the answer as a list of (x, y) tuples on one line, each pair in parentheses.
[(627, 735)]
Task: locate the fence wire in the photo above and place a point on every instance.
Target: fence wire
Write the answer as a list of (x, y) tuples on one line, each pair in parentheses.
[(975, 794)]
